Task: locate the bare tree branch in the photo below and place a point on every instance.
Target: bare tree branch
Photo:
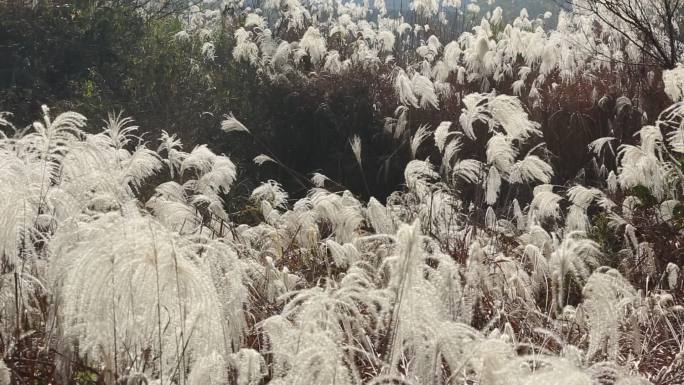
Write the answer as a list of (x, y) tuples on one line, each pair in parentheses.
[(655, 27)]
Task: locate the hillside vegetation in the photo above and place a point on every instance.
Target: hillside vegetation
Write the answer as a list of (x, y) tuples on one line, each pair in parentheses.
[(329, 192)]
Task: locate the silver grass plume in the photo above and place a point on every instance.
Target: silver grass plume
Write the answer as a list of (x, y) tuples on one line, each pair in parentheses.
[(113, 276)]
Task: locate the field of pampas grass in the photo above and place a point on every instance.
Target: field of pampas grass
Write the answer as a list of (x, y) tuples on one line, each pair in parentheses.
[(536, 238)]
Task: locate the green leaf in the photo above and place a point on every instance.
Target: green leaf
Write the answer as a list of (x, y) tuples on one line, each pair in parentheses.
[(644, 194)]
